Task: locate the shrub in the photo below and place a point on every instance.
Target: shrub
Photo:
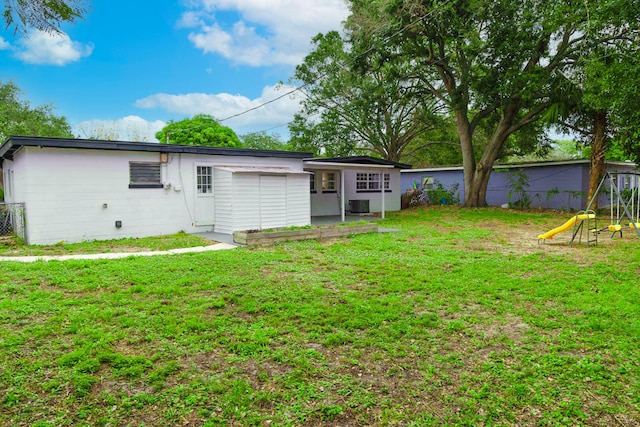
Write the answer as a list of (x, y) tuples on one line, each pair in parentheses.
[(442, 196)]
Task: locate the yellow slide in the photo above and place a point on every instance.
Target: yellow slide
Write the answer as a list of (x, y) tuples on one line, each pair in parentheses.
[(566, 226)]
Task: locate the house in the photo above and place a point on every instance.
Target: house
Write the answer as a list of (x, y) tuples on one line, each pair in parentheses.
[(77, 190), (561, 185), (353, 184)]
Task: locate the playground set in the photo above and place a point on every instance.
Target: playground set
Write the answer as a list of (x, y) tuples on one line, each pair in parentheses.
[(623, 193)]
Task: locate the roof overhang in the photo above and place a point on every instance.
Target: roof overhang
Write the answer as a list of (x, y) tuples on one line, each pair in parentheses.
[(359, 161), (261, 170), (14, 143), (526, 165), (311, 164)]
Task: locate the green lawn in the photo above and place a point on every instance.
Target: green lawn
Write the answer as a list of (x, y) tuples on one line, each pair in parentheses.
[(13, 246), (460, 318)]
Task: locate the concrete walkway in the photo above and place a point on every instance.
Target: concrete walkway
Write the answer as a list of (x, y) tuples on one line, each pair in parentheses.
[(116, 255)]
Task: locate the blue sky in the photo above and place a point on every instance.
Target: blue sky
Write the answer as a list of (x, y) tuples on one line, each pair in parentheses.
[(131, 66)]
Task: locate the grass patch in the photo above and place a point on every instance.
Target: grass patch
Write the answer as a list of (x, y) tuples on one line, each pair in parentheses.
[(14, 246), (460, 318)]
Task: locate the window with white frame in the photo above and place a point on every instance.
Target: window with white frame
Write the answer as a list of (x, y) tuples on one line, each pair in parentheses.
[(371, 181), (328, 182), (145, 175), (312, 182), (204, 175)]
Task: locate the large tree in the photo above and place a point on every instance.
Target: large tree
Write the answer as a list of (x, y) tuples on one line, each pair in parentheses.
[(348, 112), (496, 64), (19, 117), (263, 141), (604, 104), (201, 129), (44, 15)]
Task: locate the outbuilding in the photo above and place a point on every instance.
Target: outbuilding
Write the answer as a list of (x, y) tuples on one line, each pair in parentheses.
[(561, 185)]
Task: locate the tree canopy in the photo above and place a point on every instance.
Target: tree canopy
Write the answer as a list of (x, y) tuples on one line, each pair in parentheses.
[(44, 15), (263, 141), (602, 104), (347, 112), (18, 117), (201, 129), (495, 66)]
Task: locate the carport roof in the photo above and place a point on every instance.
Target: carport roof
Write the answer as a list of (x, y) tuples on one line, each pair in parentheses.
[(358, 161)]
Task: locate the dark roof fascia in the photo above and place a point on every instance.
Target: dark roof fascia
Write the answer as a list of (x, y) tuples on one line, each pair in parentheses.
[(542, 164), (364, 160), (14, 142)]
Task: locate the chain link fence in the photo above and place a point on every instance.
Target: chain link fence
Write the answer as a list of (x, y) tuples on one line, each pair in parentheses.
[(12, 219)]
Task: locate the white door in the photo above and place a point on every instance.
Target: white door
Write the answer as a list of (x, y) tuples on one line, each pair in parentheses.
[(205, 201), (273, 201), (325, 195)]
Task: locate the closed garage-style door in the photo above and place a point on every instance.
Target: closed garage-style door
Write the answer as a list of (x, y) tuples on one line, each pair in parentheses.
[(273, 201)]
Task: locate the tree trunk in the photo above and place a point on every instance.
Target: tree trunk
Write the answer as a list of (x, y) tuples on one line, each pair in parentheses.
[(599, 148), (468, 157), (476, 175), (476, 195)]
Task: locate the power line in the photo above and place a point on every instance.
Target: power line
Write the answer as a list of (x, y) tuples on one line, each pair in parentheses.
[(263, 104), (299, 88), (370, 49)]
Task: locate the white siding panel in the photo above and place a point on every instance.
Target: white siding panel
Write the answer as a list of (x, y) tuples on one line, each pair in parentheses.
[(273, 201), (246, 201), (298, 200), (222, 182), (391, 199)]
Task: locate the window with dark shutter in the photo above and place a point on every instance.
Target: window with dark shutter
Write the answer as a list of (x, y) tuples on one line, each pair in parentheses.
[(144, 175)]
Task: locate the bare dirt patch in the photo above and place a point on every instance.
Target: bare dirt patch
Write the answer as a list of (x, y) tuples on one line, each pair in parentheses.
[(522, 239)]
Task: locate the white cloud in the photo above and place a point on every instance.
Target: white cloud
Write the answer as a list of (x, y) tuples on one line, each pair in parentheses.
[(224, 105), (52, 49), (129, 128), (264, 33), (190, 19), (4, 44)]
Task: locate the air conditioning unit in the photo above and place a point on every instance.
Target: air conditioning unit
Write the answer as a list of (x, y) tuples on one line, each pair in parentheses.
[(359, 206)]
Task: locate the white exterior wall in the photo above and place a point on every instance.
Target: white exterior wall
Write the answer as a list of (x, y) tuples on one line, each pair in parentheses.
[(391, 199), (64, 191), (298, 200)]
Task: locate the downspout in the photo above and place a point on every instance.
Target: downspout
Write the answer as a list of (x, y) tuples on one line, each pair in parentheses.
[(342, 217), (382, 185)]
